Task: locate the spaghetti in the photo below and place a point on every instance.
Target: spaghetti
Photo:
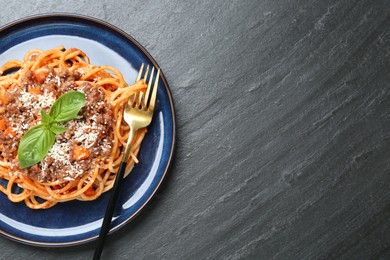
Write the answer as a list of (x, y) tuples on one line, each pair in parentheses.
[(83, 161)]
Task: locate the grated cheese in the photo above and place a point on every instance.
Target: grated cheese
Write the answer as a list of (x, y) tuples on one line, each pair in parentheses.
[(60, 152), (36, 101), (20, 129), (85, 134), (58, 81)]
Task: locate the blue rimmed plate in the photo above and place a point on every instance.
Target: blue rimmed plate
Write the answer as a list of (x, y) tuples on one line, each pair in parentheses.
[(77, 222)]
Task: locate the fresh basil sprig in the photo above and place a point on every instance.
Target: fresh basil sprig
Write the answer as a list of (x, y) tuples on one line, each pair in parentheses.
[(34, 145), (38, 140)]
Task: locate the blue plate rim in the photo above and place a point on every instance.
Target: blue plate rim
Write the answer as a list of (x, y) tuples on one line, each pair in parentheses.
[(66, 15)]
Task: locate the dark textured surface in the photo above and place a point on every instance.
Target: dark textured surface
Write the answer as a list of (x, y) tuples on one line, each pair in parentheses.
[(283, 129)]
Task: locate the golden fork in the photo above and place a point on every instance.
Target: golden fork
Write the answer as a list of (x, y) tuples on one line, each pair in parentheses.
[(138, 113), (139, 110)]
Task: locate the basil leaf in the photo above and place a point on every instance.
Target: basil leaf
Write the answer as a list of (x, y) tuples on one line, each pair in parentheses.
[(34, 146), (46, 119), (67, 106), (57, 129)]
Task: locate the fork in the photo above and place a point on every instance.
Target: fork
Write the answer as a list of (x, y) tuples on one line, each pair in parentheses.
[(138, 113)]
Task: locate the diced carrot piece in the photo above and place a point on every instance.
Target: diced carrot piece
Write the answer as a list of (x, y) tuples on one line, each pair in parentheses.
[(5, 85), (40, 76), (80, 153), (3, 126), (4, 99), (34, 91), (90, 191), (10, 131)]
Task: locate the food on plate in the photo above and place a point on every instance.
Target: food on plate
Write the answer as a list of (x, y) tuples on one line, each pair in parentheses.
[(61, 127)]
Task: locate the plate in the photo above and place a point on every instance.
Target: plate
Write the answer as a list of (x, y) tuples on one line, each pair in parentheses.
[(76, 222)]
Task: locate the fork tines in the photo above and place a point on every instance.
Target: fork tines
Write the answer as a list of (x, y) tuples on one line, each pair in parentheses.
[(148, 99)]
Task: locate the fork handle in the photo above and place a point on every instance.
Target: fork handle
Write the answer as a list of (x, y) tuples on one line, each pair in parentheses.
[(109, 211), (113, 198)]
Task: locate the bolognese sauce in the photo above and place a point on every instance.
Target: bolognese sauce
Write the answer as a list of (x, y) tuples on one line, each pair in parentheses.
[(87, 140)]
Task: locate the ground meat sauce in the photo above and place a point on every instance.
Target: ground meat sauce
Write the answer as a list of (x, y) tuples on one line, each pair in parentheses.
[(91, 129)]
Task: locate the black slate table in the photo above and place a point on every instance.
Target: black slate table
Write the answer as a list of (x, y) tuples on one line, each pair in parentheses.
[(283, 129)]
